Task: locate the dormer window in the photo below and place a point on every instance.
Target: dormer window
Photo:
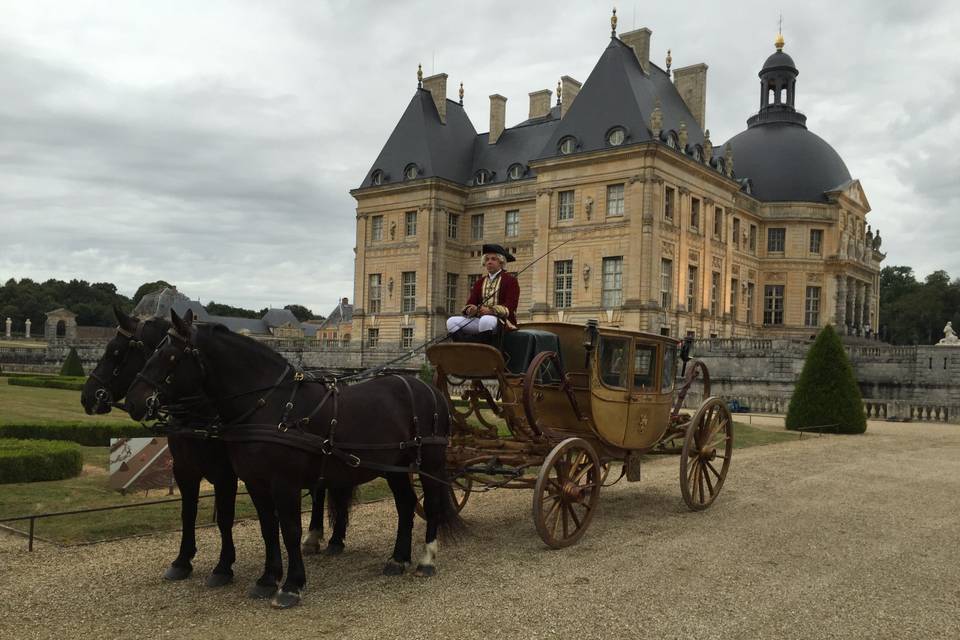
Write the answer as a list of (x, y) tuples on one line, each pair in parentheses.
[(697, 153), (721, 165), (515, 172), (377, 178), (411, 171), (568, 145), (616, 136), (672, 140), (483, 177)]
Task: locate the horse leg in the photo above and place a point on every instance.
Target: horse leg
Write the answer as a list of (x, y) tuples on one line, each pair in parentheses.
[(441, 515), (267, 583), (287, 500), (340, 500), (311, 545), (188, 482), (405, 500), (225, 497)]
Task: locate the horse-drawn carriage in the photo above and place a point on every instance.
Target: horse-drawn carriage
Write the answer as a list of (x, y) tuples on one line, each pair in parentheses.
[(569, 400)]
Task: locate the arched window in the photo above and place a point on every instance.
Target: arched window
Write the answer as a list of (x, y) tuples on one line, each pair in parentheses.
[(516, 171), (672, 141), (482, 177), (411, 171), (697, 153), (61, 329), (377, 178), (616, 136), (568, 145)]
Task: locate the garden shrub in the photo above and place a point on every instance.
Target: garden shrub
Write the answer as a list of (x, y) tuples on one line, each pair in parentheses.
[(91, 434), (72, 365), (38, 460)]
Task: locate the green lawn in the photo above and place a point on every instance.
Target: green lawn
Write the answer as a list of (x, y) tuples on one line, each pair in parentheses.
[(745, 435), (32, 404)]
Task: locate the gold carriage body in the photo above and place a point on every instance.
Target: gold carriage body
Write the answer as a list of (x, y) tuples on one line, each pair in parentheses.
[(582, 402)]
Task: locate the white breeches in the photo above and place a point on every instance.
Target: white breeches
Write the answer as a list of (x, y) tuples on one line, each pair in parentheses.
[(471, 325)]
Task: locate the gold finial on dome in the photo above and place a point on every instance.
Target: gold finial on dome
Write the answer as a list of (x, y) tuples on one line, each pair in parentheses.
[(461, 94), (779, 41), (613, 24), (419, 76)]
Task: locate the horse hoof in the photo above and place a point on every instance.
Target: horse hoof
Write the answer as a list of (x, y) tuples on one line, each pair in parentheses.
[(310, 549), (394, 568), (426, 570), (175, 573), (334, 549), (285, 599), (218, 579), (262, 591)]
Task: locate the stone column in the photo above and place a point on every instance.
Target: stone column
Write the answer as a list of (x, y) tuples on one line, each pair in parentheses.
[(9, 323), (841, 312), (858, 306), (851, 320), (27, 324), (867, 306)]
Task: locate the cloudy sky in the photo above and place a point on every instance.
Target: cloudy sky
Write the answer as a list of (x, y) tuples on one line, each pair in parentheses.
[(213, 144)]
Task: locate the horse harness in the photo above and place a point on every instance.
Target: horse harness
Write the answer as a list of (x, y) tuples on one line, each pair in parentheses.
[(134, 341)]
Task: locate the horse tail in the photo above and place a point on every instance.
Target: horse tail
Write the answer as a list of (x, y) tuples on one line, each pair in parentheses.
[(339, 503)]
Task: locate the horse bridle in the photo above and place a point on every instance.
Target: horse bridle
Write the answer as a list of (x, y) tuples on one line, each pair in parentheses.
[(158, 386), (134, 341)]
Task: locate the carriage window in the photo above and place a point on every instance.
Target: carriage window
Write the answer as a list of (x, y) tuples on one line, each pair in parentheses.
[(644, 357), (669, 369), (613, 362)]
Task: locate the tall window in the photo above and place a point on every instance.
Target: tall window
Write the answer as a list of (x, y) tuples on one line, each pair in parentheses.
[(452, 293), (410, 223), (563, 284), (476, 226), (406, 338), (734, 294), (718, 222), (376, 282), (612, 294), (565, 205), (691, 289), (736, 232), (409, 292), (376, 228), (472, 279), (715, 293), (811, 316), (373, 337), (666, 282), (751, 289), (511, 224), (453, 225), (615, 200), (773, 304), (776, 240), (695, 213), (668, 202), (753, 238), (816, 240)]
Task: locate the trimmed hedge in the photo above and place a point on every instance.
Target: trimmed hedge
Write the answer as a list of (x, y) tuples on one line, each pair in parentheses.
[(91, 434), (72, 365), (38, 460), (60, 382), (827, 391)]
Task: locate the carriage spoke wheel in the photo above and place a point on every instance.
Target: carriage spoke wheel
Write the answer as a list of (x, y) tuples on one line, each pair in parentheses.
[(706, 454), (459, 487), (567, 492)]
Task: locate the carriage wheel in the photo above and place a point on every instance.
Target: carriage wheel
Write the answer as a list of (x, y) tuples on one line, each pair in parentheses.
[(706, 454), (567, 492), (459, 487)]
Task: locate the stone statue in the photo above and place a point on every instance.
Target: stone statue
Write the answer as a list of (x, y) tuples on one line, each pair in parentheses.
[(949, 337)]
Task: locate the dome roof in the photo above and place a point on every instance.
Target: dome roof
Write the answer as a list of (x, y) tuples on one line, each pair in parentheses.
[(778, 60), (786, 162)]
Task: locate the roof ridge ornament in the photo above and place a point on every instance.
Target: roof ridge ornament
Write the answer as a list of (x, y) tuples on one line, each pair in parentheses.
[(613, 24), (779, 41), (461, 94), (669, 60), (419, 76), (656, 119), (559, 92)]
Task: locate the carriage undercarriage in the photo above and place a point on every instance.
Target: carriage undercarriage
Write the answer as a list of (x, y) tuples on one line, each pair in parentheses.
[(549, 428)]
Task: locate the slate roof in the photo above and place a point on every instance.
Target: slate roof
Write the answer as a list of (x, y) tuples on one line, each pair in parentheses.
[(617, 92), (279, 317), (342, 313)]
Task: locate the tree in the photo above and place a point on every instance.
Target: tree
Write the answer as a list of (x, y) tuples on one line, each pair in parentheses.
[(72, 365), (218, 309), (827, 391), (150, 287), (303, 314)]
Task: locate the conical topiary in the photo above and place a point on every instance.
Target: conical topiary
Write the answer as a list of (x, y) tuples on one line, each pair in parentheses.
[(72, 366), (827, 392)]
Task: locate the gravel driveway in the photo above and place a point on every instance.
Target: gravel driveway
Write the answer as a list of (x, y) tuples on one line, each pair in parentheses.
[(831, 537)]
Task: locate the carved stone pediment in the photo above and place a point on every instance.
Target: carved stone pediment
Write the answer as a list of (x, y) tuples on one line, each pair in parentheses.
[(666, 249)]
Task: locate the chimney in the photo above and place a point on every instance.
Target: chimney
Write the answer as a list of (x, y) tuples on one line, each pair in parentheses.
[(498, 117), (344, 301), (437, 86), (691, 84), (639, 41), (540, 103), (570, 89)]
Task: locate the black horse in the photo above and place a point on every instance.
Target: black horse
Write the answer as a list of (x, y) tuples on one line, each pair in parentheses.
[(284, 433), (195, 455)]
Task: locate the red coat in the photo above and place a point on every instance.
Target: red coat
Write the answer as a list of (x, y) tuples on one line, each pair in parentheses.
[(508, 297)]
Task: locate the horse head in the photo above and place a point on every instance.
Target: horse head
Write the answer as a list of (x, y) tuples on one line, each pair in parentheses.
[(125, 355)]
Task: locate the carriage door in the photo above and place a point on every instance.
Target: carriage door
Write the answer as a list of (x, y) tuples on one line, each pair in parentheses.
[(610, 388), (644, 420)]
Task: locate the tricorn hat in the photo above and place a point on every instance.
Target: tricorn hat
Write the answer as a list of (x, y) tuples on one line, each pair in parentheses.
[(495, 248)]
